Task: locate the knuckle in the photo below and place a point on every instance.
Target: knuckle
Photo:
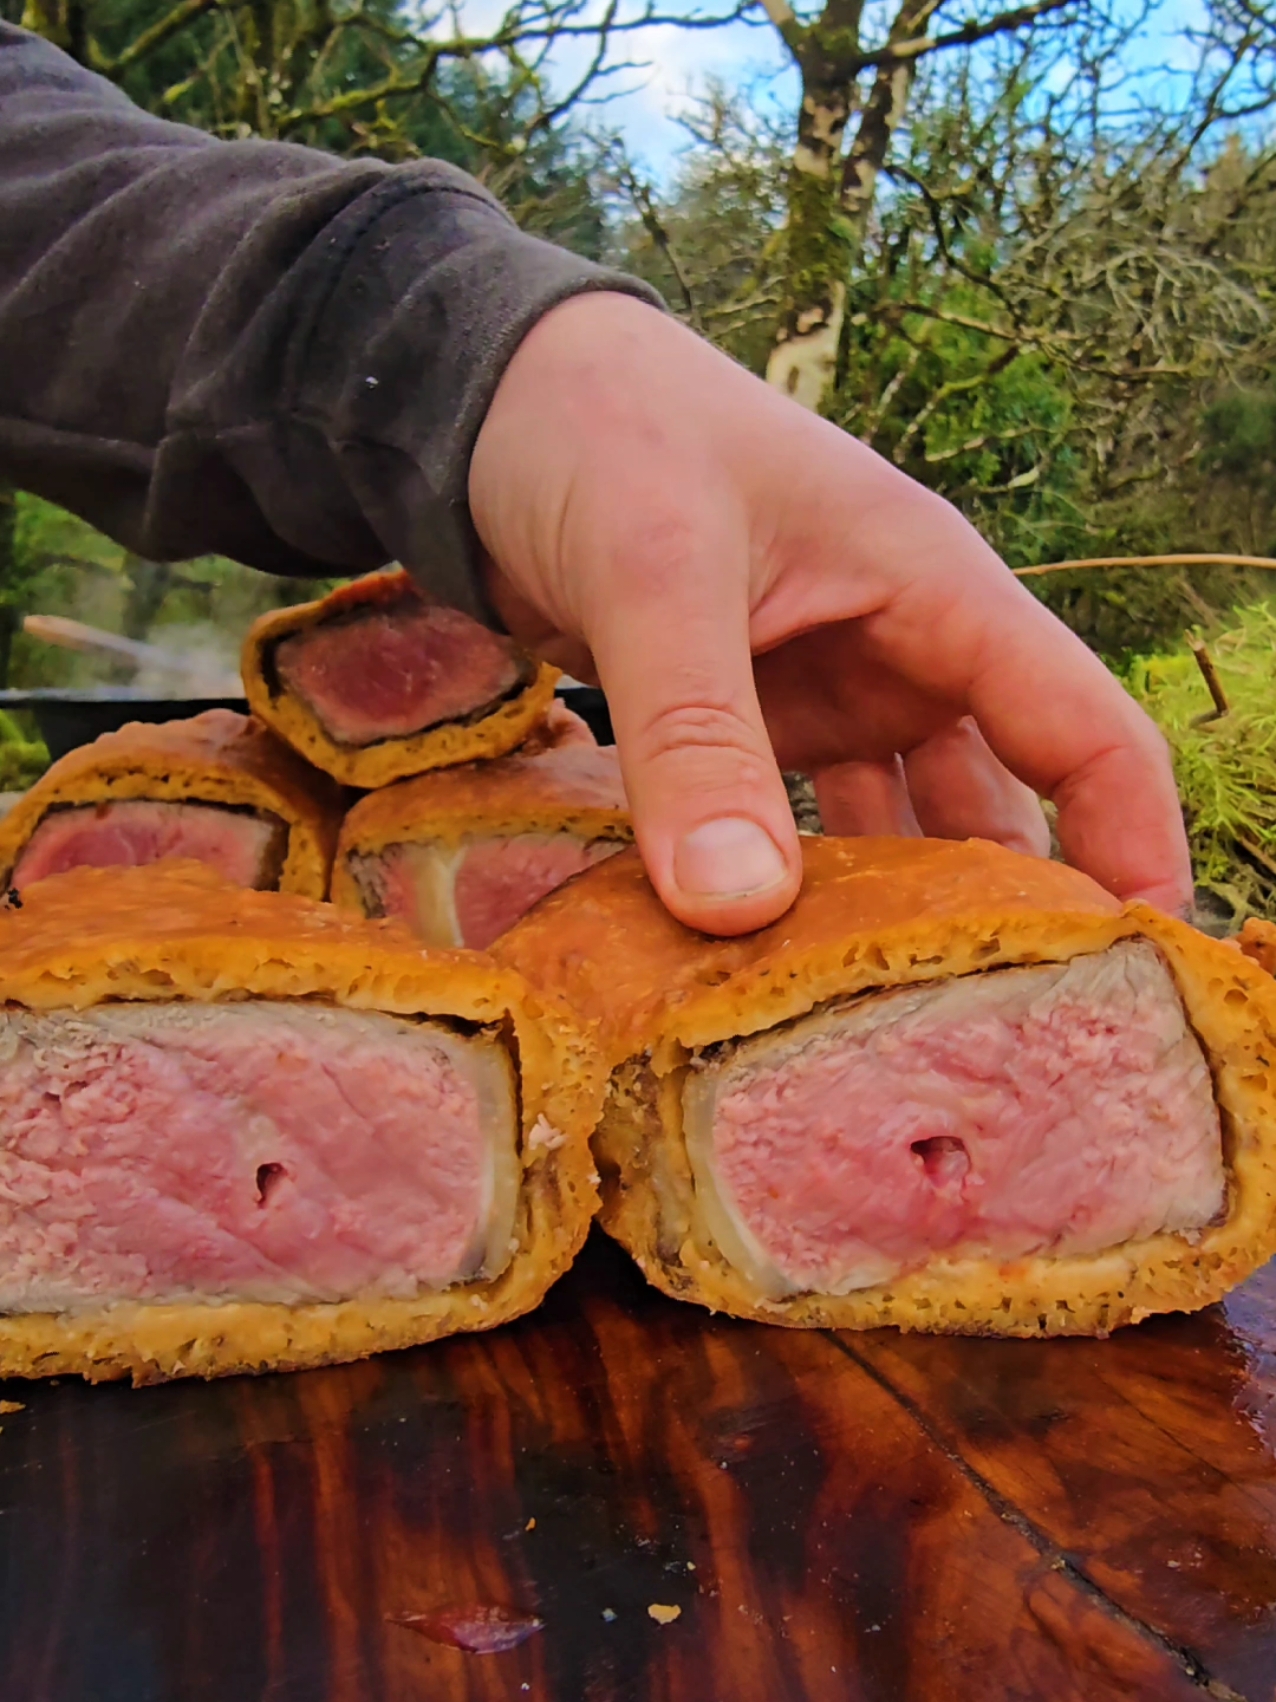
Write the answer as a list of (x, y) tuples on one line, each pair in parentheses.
[(662, 538), (705, 737), (693, 725), (659, 556)]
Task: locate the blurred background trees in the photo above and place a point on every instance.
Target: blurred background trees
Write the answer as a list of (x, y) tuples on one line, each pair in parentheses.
[(1053, 303), (1028, 252), (997, 242)]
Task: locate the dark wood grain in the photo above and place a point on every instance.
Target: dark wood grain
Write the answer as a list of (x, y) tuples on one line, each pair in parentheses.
[(858, 1519), (1148, 1460)]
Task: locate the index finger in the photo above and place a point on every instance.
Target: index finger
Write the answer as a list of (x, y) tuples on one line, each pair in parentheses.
[(1059, 720)]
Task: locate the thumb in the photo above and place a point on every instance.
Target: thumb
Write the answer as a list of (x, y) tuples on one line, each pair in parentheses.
[(669, 632)]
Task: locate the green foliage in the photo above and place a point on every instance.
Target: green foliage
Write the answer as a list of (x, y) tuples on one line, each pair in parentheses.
[(22, 760), (1068, 335), (1123, 613), (1225, 768), (968, 422), (1234, 479), (365, 79), (57, 565), (60, 566), (1240, 433)]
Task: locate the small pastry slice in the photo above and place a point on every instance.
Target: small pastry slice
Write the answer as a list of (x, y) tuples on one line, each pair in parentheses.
[(953, 1089), (242, 1132), (372, 683), (218, 788), (461, 854)]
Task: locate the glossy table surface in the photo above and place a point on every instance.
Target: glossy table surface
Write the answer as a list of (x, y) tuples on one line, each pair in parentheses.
[(879, 1517)]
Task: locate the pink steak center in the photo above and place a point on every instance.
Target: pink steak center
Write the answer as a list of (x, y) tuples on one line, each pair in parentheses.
[(246, 848), (1059, 1109), (390, 672), (471, 894), (267, 1151)]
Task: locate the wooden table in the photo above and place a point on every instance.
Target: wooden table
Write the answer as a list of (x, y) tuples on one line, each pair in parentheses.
[(861, 1518)]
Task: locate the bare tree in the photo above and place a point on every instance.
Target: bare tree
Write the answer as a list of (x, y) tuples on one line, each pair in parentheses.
[(1134, 262), (835, 166), (355, 74), (1058, 311), (714, 245), (858, 66)]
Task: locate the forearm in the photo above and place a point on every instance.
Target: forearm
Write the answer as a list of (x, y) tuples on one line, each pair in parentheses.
[(249, 348)]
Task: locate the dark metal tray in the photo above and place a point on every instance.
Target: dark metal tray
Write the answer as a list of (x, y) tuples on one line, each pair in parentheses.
[(68, 719)]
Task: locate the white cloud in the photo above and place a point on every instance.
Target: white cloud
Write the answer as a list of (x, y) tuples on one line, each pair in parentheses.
[(681, 64), (669, 66)]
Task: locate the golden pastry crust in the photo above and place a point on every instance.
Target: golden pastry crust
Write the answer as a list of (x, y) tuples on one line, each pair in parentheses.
[(215, 758), (1258, 940), (879, 913), (176, 931), (574, 787), (561, 726), (370, 766)]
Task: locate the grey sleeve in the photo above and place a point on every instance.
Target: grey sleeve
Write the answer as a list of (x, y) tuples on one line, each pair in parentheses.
[(251, 348)]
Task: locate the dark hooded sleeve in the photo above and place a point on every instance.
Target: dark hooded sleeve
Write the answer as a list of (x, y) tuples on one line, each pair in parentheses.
[(251, 348)]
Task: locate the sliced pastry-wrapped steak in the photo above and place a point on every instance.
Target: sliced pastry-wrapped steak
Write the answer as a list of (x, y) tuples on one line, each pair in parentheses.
[(372, 683), (462, 854), (1257, 939), (239, 1131), (953, 1089), (218, 789)]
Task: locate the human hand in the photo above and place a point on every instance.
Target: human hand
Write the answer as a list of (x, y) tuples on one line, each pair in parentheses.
[(755, 589)]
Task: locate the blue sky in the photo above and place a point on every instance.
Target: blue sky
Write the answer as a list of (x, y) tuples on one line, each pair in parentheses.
[(675, 63), (681, 62)]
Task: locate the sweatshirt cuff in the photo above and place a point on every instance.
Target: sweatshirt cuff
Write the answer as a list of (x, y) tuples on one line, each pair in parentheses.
[(401, 364)]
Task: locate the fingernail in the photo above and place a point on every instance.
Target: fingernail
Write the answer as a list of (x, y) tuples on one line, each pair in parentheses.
[(728, 858)]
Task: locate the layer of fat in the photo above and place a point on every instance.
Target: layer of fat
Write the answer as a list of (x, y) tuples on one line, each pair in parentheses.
[(480, 1058), (432, 868), (716, 1210)]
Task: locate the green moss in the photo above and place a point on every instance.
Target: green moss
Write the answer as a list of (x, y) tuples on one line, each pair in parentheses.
[(1226, 768), (816, 250), (22, 760)]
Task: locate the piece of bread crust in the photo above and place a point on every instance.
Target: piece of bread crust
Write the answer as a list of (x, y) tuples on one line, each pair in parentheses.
[(1257, 939), (880, 913), (218, 757), (568, 788), (370, 766), (175, 931)]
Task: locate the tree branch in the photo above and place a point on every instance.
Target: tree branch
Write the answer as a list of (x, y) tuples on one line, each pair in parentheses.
[(656, 229), (781, 14), (159, 32), (1266, 562), (965, 36), (510, 36)]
